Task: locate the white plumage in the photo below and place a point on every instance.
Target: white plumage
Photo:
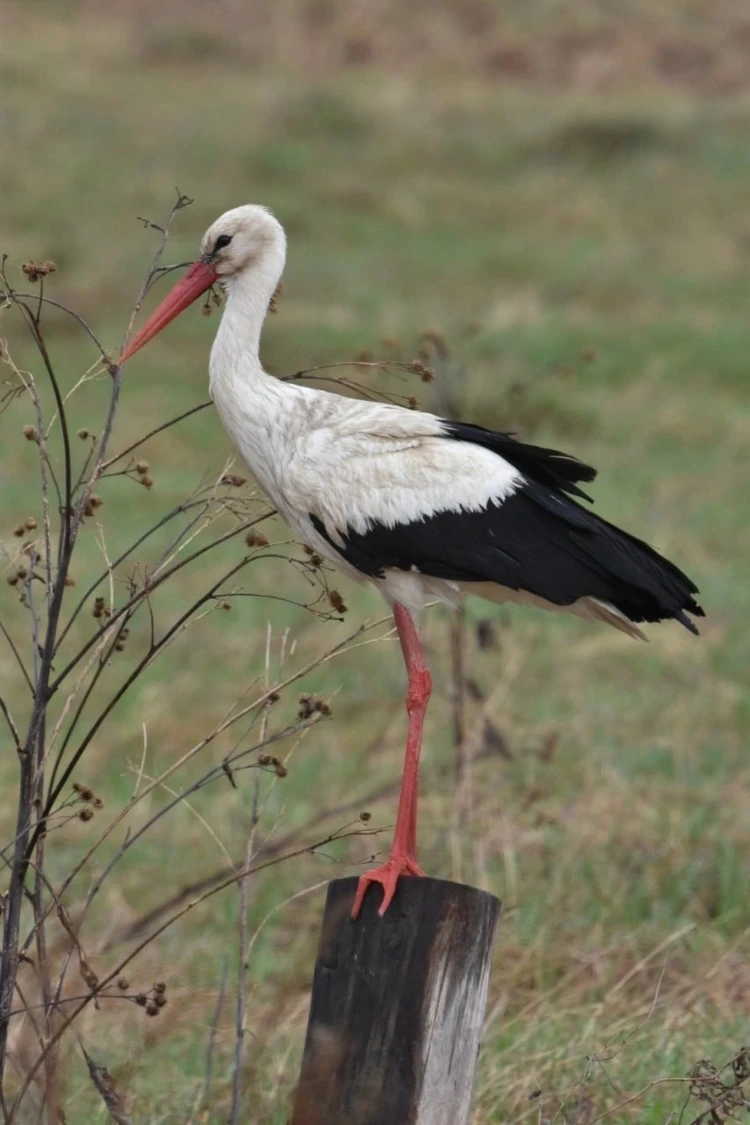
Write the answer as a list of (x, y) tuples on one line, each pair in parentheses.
[(422, 507)]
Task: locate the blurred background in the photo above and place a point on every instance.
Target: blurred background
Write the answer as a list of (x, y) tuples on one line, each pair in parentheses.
[(550, 200)]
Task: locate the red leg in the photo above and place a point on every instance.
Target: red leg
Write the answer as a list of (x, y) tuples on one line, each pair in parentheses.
[(403, 860)]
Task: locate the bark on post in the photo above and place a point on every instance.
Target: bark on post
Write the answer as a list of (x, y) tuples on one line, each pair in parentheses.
[(397, 1006)]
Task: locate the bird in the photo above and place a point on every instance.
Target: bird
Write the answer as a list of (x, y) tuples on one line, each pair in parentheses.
[(423, 507)]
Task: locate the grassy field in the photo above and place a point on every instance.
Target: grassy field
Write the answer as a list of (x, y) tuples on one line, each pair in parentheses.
[(584, 250)]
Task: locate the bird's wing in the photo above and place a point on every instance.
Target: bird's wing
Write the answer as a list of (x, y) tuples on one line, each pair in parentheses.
[(448, 505), (393, 474)]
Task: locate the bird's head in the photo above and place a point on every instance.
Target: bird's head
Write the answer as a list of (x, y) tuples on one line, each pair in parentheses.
[(243, 238), (247, 240)]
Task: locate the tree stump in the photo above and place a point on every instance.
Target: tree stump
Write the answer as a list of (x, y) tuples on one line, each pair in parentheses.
[(397, 1006)]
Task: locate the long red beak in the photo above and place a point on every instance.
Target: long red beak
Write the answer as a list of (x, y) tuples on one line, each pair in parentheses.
[(200, 277)]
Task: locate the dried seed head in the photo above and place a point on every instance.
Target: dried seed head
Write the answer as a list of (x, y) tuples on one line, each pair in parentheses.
[(270, 760), (365, 816), (122, 983), (86, 814), (96, 501), (12, 579), (98, 803), (232, 479), (99, 607), (310, 705), (413, 403), (274, 697), (35, 270), (31, 433), (141, 999), (226, 605), (152, 1009), (87, 973), (160, 986), (255, 539), (337, 601), (119, 646), (30, 523), (147, 481), (141, 467), (19, 530), (22, 572), (419, 367), (85, 792), (306, 706), (160, 1000), (69, 581), (84, 434)]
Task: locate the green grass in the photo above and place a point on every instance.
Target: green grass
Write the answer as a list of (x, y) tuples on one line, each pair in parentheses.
[(586, 258)]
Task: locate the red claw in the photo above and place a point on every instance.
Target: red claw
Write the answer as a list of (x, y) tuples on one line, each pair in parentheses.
[(387, 875)]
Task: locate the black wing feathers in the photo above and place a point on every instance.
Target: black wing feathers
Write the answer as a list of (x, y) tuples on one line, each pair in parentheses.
[(536, 540), (548, 466)]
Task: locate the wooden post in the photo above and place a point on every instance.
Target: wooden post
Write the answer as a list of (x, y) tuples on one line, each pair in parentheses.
[(397, 1006)]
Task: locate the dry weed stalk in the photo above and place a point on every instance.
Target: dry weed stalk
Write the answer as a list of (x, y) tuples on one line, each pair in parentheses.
[(66, 648)]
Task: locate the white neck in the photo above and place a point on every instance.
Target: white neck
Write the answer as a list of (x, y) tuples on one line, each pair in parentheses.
[(249, 402), (236, 349)]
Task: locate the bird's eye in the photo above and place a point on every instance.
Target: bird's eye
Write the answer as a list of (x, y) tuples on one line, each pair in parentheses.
[(222, 241)]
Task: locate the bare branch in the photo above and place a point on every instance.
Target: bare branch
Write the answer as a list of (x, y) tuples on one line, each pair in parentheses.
[(11, 725), (68, 312), (17, 655), (104, 1083), (157, 430)]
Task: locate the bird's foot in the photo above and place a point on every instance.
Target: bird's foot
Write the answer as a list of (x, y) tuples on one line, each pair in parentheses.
[(399, 863)]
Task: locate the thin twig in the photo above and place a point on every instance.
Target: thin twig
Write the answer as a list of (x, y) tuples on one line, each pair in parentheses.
[(17, 655), (157, 430), (239, 1031), (202, 1095), (11, 725)]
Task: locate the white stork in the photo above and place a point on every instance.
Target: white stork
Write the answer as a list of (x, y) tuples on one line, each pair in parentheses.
[(422, 507)]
